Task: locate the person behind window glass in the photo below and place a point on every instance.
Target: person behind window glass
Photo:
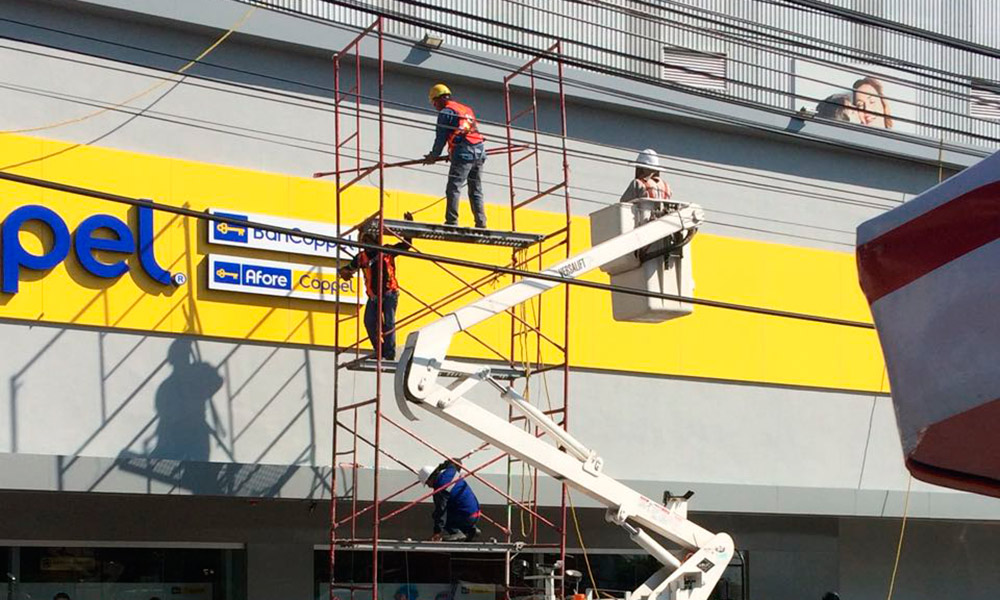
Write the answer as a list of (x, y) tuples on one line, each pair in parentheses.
[(872, 105), (837, 107)]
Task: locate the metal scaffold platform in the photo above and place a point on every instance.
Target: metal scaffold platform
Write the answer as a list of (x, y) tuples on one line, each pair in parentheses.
[(454, 233), (429, 546), (369, 364)]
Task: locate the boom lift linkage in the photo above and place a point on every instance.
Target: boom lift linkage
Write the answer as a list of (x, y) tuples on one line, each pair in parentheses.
[(423, 361)]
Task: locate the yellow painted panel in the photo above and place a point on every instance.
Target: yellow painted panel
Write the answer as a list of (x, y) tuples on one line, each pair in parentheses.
[(712, 343)]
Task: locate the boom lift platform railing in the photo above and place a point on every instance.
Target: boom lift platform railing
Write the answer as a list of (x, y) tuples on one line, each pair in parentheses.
[(568, 460)]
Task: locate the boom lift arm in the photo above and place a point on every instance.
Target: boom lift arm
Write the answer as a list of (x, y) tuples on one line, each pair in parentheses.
[(423, 359)]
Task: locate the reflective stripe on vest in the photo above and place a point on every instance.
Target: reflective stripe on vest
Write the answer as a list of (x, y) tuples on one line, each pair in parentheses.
[(655, 188), (467, 126), (368, 265)]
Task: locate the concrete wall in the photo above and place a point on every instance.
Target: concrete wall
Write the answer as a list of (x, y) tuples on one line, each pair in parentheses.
[(148, 410)]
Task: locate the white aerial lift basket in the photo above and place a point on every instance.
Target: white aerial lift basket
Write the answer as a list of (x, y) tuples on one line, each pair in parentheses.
[(930, 269), (663, 268)]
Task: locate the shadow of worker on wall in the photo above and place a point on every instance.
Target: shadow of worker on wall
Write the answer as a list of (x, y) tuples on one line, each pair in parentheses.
[(184, 406), (186, 422)]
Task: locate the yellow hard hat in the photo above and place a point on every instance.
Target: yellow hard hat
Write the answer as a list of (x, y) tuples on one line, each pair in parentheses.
[(438, 89)]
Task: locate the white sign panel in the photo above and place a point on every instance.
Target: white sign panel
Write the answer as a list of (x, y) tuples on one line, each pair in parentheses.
[(228, 234), (271, 278), (867, 95)]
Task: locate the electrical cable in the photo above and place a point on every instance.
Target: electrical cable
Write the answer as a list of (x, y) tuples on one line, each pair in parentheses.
[(430, 127), (650, 61), (902, 533), (743, 183), (856, 16), (530, 51), (305, 84), (497, 269), (755, 65), (144, 92), (591, 66), (143, 113), (817, 44), (583, 547)]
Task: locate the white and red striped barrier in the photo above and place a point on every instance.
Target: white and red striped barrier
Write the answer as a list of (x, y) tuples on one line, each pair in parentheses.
[(931, 272)]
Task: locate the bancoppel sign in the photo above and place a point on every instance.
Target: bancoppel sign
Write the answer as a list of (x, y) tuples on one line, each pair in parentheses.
[(229, 234), (271, 278)]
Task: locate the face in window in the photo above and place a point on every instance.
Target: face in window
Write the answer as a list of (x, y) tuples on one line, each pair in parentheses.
[(870, 107)]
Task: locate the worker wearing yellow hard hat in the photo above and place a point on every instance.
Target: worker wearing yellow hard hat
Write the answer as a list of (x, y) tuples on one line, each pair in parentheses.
[(457, 129), (437, 90)]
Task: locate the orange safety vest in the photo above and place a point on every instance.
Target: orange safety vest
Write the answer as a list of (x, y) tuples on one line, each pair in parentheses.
[(657, 189), (369, 264), (466, 126)]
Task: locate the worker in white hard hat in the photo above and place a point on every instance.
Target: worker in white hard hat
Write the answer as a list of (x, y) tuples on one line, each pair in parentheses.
[(458, 129), (647, 183), (456, 509)]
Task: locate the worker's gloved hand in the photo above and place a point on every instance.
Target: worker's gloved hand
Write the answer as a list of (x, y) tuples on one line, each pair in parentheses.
[(429, 159), (345, 273), (436, 537), (408, 216)]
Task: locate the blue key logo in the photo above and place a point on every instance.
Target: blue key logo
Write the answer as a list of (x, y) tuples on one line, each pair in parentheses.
[(228, 232)]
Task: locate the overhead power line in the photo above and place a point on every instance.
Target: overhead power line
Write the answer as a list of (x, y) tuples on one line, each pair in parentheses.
[(785, 40), (641, 59), (723, 117), (437, 258), (857, 16), (838, 194)]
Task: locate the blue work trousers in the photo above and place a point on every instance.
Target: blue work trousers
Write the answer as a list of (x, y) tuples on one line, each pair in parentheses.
[(389, 302), (463, 171)]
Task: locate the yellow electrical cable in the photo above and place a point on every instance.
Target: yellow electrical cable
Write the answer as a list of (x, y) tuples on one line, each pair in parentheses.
[(902, 532), (583, 548), (145, 92)]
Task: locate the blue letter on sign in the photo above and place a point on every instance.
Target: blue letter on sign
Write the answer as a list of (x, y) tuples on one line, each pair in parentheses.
[(146, 256), (85, 243), (15, 256)]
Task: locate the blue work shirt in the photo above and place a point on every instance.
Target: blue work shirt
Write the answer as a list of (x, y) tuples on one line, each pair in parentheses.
[(447, 122), (455, 504)]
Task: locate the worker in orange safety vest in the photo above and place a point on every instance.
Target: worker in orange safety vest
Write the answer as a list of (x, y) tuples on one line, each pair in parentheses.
[(380, 280), (458, 129), (647, 183)]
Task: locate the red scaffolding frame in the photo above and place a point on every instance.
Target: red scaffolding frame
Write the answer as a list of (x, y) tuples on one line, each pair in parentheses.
[(344, 531)]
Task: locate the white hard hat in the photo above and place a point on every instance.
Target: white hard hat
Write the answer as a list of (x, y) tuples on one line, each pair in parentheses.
[(425, 473), (648, 159)]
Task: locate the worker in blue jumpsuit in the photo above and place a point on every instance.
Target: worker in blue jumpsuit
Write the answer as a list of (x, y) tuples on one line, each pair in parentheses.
[(456, 509)]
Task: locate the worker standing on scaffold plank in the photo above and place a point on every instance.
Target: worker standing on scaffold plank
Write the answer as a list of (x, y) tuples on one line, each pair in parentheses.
[(647, 182), (456, 509), (380, 279), (457, 127)]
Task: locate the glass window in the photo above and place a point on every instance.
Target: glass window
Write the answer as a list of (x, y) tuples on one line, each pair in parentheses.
[(95, 573)]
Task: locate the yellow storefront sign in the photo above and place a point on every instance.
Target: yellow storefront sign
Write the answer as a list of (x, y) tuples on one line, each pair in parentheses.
[(712, 343)]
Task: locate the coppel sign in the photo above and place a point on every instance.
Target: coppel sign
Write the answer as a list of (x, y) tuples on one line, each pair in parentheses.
[(117, 240)]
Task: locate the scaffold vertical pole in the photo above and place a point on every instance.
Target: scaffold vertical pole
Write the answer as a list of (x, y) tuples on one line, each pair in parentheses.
[(331, 560), (353, 95), (528, 70), (566, 311), (380, 283)]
